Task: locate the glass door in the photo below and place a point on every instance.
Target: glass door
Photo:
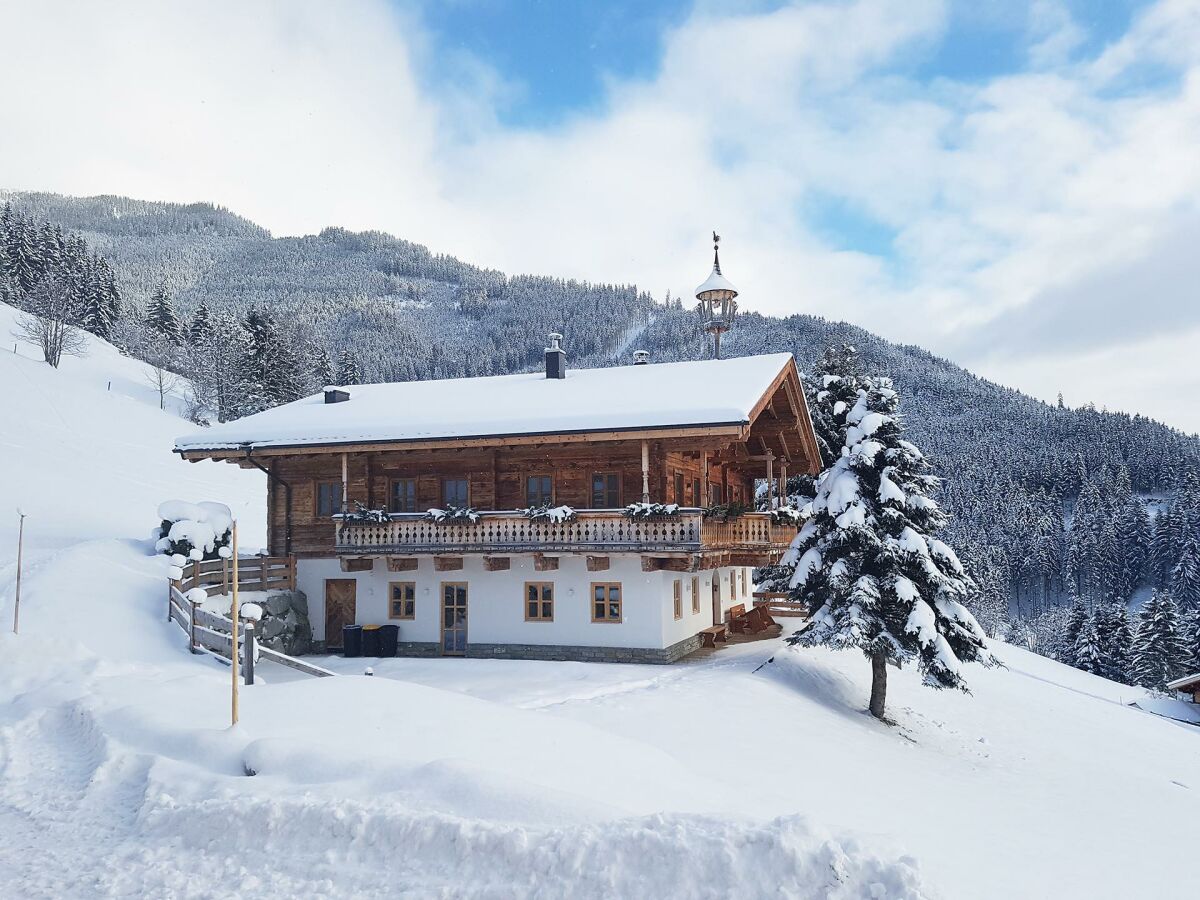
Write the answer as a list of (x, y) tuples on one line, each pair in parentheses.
[(454, 618)]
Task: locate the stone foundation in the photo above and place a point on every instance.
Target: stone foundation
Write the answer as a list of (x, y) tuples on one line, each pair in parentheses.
[(650, 655)]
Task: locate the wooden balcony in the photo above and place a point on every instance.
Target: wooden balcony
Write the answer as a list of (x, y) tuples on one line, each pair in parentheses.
[(594, 531)]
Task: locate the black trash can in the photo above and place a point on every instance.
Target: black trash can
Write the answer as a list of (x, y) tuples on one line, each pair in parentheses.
[(352, 640), (370, 640), (389, 639)]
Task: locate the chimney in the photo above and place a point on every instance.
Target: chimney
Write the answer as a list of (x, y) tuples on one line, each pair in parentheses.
[(336, 394), (556, 358), (641, 357)]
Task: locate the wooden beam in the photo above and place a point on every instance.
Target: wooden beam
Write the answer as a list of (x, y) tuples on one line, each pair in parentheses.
[(402, 563), (543, 563), (497, 563), (447, 563), (597, 563)]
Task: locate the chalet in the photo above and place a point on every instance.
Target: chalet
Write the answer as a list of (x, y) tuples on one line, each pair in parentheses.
[(1189, 684), (487, 516)]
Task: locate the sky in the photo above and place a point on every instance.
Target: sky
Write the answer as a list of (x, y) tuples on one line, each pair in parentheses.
[(1013, 185)]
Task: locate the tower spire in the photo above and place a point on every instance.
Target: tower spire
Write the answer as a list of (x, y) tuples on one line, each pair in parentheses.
[(717, 306)]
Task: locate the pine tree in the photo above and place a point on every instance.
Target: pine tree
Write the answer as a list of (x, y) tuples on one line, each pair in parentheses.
[(868, 562), (348, 371), (1116, 638), (1076, 619), (1185, 578), (1158, 654), (1089, 654), (161, 317), (201, 326), (272, 364), (322, 368)]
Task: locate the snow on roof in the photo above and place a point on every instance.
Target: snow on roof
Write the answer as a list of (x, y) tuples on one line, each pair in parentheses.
[(661, 395), (1186, 681), (716, 282)]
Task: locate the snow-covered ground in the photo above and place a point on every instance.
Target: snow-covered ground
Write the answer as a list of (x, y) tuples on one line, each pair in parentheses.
[(119, 775)]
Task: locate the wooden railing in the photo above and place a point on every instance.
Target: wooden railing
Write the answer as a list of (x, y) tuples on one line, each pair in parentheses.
[(255, 573), (599, 530)]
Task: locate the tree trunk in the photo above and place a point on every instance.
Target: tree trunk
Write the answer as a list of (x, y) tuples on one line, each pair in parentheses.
[(878, 684)]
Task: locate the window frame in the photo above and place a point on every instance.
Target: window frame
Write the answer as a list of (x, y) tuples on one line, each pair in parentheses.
[(678, 486), (446, 479), (698, 492), (402, 618), (540, 587), (677, 598), (607, 473), (608, 587), (695, 595), (392, 495), (553, 488), (338, 497)]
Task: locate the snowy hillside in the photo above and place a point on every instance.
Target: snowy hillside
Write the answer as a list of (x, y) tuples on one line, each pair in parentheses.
[(452, 777)]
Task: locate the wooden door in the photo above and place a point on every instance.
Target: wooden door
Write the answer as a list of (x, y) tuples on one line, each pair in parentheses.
[(340, 608), (454, 618)]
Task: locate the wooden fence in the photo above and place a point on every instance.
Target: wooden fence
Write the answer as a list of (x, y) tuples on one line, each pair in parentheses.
[(255, 573), (212, 633)]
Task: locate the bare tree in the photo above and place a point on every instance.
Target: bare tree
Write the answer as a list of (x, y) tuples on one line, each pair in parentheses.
[(50, 320), (162, 380)]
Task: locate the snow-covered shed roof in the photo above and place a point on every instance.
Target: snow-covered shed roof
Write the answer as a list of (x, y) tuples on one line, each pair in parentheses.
[(716, 282), (1186, 683), (623, 398)]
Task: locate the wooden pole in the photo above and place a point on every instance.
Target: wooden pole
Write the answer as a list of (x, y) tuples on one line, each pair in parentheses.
[(345, 483), (233, 615), (17, 595), (645, 472), (248, 653), (783, 494), (770, 480)]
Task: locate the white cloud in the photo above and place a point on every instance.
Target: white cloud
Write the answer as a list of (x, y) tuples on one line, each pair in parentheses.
[(1020, 190)]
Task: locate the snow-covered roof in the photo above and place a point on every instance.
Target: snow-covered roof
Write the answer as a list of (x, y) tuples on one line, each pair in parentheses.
[(661, 395), (716, 282), (1186, 681)]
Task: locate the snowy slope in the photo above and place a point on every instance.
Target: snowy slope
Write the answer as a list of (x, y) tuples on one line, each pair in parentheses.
[(727, 778)]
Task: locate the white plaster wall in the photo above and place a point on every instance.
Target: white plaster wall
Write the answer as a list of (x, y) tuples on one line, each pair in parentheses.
[(495, 601)]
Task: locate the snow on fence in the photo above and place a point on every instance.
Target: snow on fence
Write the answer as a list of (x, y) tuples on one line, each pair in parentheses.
[(212, 633)]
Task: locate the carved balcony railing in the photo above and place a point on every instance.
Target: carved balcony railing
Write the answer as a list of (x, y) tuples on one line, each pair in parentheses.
[(593, 531)]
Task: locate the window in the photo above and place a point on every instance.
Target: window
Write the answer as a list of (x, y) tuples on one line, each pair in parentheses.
[(695, 595), (456, 492), (697, 496), (329, 497), (539, 490), (402, 600), (678, 597), (606, 602), (606, 490), (716, 494), (745, 583), (539, 601), (404, 495), (679, 488)]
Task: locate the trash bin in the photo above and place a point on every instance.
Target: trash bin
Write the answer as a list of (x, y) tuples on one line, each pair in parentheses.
[(352, 640), (389, 638), (370, 640)]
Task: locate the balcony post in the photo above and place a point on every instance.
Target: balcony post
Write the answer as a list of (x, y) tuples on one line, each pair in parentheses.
[(645, 472), (783, 494), (770, 480), (345, 482)]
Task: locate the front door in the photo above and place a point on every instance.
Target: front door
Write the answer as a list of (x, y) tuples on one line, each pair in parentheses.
[(454, 618), (718, 616), (340, 609)]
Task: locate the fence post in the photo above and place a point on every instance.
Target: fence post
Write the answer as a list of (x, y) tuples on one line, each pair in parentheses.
[(291, 573), (262, 572), (192, 630), (224, 577), (248, 652)]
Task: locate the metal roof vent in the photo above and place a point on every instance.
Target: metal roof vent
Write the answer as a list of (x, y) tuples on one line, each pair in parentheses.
[(336, 394), (641, 357)]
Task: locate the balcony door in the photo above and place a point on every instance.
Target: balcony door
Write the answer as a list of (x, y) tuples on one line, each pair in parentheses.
[(454, 618)]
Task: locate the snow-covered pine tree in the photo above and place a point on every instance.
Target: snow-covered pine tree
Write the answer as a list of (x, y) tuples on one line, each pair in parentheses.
[(1158, 654), (1089, 654), (1116, 638), (322, 368), (161, 317), (1185, 577), (869, 564), (832, 391), (201, 325), (348, 371), (272, 364), (1076, 619)]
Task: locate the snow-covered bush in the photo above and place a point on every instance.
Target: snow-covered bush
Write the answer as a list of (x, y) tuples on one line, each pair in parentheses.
[(363, 513), (651, 511), (788, 515), (555, 515), (452, 515), (726, 511), (193, 531)]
